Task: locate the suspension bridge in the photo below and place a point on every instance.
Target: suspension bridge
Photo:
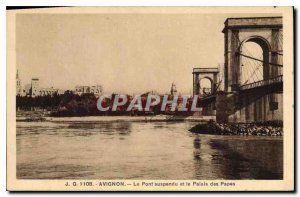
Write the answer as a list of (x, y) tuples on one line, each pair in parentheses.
[(252, 77)]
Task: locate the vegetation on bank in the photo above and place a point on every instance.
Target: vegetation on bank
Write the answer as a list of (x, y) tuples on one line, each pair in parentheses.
[(67, 104), (26, 103), (70, 104)]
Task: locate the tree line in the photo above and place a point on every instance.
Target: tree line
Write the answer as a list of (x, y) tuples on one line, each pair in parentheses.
[(70, 104)]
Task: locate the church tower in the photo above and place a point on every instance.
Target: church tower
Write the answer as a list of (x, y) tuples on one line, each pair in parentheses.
[(18, 85), (173, 90)]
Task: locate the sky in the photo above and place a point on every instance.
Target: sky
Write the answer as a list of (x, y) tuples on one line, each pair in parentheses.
[(125, 53)]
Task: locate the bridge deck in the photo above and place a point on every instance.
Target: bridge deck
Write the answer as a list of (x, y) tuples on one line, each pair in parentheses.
[(278, 79), (269, 83)]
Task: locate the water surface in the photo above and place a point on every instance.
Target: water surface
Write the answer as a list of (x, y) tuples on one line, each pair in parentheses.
[(141, 150)]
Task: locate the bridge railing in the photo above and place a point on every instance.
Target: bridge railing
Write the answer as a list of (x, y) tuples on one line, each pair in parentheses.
[(262, 83)]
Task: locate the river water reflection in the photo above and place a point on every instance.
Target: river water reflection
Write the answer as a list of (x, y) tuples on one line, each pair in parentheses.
[(141, 150)]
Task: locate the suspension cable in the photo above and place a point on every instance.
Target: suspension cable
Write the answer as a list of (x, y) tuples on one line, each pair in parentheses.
[(273, 64)]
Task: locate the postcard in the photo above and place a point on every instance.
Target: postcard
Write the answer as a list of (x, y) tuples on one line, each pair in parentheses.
[(150, 99)]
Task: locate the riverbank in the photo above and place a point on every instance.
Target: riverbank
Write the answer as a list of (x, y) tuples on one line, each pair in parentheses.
[(157, 118), (40, 116), (31, 116), (271, 128)]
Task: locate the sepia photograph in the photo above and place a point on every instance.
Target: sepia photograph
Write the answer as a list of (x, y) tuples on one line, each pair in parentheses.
[(150, 99)]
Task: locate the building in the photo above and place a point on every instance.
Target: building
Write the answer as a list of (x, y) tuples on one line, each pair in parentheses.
[(27, 89), (50, 91), (36, 90), (96, 90), (20, 90), (33, 89), (79, 90)]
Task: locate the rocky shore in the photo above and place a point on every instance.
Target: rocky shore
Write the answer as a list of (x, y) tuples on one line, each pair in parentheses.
[(272, 128)]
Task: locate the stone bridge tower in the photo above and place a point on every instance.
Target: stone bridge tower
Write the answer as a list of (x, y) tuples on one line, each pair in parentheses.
[(259, 100), (263, 31), (205, 73)]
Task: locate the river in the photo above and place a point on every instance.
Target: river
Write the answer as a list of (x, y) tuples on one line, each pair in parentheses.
[(141, 150)]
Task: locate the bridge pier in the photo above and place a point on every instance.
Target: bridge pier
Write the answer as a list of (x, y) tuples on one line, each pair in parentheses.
[(248, 107)]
